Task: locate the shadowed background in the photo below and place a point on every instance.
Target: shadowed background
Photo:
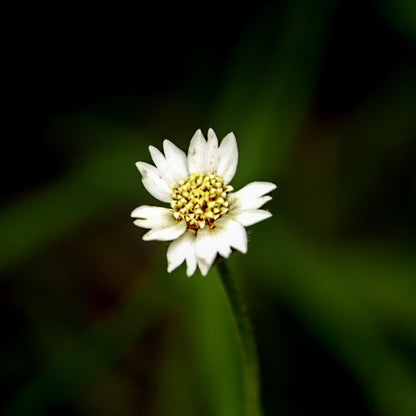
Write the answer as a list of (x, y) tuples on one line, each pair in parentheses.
[(322, 98)]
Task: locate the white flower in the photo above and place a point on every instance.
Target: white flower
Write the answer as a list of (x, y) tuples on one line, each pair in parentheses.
[(205, 217)]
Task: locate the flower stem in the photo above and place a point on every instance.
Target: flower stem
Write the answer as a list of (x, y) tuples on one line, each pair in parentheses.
[(247, 340)]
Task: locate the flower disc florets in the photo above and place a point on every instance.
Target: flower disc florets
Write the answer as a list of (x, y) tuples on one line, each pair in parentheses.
[(200, 200)]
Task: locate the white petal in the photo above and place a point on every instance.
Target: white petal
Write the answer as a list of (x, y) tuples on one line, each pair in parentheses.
[(228, 158), (256, 189), (152, 217), (206, 249), (213, 156), (191, 260), (176, 159), (247, 204), (223, 245), (181, 249), (174, 230), (236, 235), (163, 165), (251, 217), (197, 153), (251, 196), (154, 182)]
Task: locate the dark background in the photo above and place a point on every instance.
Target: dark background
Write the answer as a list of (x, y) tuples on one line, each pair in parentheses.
[(321, 97)]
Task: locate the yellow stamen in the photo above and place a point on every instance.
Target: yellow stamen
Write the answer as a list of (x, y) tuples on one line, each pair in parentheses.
[(200, 200)]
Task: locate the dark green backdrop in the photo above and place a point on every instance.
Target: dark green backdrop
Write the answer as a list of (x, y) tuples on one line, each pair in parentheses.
[(322, 99)]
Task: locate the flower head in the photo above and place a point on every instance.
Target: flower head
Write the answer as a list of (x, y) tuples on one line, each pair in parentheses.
[(205, 217)]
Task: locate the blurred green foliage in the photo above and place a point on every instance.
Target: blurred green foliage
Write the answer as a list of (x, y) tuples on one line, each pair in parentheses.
[(95, 325)]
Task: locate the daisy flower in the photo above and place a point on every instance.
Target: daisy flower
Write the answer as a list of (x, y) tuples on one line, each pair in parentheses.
[(206, 217)]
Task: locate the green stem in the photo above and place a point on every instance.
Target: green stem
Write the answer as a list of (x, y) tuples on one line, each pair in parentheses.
[(248, 343)]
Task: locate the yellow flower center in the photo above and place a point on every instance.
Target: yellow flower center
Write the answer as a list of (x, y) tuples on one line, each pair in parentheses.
[(200, 200)]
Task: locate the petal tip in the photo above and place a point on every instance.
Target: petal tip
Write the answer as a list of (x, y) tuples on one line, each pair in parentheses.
[(230, 137), (198, 135), (204, 271), (139, 166)]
